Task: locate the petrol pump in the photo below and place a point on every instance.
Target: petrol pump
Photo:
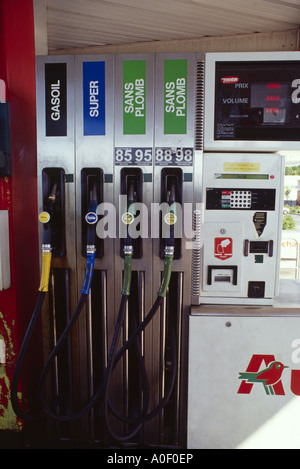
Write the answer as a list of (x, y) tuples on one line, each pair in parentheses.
[(165, 212), (240, 334), (117, 164)]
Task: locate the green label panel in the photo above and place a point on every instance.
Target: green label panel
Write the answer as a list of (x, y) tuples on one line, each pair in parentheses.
[(175, 96), (134, 97)]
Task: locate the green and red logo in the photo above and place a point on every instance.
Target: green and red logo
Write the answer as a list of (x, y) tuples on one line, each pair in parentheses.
[(266, 371)]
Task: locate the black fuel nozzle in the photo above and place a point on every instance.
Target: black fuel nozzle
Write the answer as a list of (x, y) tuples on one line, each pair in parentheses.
[(171, 200), (47, 215), (91, 218), (170, 223), (131, 199), (131, 186)]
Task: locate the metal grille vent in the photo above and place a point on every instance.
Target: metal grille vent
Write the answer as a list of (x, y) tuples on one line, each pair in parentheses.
[(196, 260), (199, 105)]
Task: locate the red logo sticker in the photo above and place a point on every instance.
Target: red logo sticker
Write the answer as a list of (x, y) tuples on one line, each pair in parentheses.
[(270, 377), (229, 80), (223, 248)]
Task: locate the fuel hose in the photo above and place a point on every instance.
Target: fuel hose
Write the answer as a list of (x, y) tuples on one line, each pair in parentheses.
[(46, 218), (84, 294), (114, 356), (91, 219)]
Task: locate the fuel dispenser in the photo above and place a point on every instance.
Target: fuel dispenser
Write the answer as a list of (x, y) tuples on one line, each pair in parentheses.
[(94, 140), (133, 190), (239, 334), (56, 168), (176, 161), (116, 167), (147, 224)]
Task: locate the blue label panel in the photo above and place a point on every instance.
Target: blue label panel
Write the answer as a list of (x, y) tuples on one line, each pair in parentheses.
[(94, 98)]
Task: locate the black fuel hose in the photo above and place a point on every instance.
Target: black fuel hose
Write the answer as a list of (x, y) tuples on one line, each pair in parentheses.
[(46, 218), (22, 414), (46, 261), (85, 291), (114, 356)]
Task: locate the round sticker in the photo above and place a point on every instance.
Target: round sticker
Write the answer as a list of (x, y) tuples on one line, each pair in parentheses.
[(91, 218), (127, 218), (170, 218), (44, 217)]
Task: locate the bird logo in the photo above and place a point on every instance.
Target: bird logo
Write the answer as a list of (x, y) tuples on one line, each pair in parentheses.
[(268, 377)]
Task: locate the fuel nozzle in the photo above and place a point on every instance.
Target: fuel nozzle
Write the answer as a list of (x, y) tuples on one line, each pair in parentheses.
[(128, 246), (46, 218), (171, 218), (131, 199), (169, 248), (91, 218)]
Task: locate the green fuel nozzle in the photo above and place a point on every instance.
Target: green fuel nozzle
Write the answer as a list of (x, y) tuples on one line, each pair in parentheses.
[(128, 247)]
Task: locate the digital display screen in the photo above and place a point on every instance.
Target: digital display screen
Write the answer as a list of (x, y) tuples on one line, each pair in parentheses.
[(257, 101)]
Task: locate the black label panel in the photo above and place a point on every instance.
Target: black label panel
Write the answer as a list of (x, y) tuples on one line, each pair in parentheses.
[(240, 199), (56, 99), (260, 221)]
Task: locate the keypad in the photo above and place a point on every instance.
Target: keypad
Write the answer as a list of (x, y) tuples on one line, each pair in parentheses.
[(240, 199)]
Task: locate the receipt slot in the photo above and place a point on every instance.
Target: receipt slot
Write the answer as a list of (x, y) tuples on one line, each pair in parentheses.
[(242, 225)]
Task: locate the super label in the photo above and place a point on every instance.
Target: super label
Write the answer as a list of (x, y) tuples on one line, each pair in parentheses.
[(93, 98)]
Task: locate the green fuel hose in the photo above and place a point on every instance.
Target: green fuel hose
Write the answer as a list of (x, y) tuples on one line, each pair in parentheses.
[(127, 271), (114, 356), (136, 422)]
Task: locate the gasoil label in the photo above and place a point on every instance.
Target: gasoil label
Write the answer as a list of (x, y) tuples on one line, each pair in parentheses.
[(93, 98), (175, 96), (56, 99), (134, 97)]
